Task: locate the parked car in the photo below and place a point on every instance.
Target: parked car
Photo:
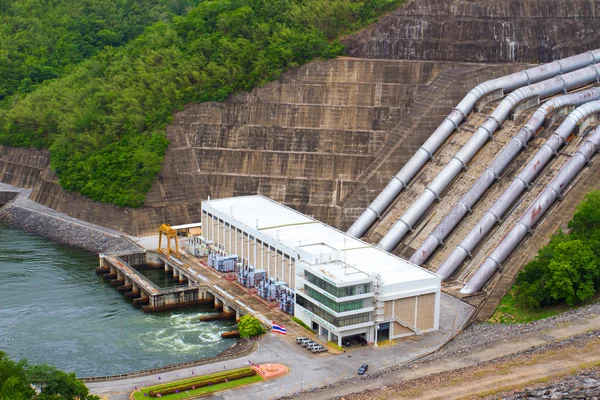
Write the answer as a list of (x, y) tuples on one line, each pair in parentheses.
[(306, 343), (318, 349), (363, 369), (313, 345), (300, 339), (346, 343)]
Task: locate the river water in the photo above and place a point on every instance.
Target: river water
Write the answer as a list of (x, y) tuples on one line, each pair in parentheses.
[(55, 310)]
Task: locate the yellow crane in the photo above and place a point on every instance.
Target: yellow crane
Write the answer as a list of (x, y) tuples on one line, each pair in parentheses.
[(169, 233)]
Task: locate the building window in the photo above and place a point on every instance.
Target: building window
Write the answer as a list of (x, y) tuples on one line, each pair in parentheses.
[(337, 307), (334, 290), (339, 322)]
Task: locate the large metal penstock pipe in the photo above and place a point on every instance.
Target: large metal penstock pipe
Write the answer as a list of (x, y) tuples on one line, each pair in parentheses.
[(521, 183), (493, 171), (477, 141), (507, 83), (534, 213)]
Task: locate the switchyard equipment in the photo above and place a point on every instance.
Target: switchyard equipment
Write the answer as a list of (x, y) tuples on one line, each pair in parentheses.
[(326, 278), (553, 191), (487, 179), (198, 246), (491, 89), (222, 263)]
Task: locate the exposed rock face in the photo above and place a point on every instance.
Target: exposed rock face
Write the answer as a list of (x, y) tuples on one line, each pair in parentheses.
[(482, 31)]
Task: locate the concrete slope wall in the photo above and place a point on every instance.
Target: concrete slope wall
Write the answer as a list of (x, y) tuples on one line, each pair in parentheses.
[(482, 31)]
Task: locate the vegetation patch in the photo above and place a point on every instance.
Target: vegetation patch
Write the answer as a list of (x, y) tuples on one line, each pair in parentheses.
[(335, 345), (200, 385), (302, 324), (565, 273), (104, 119), (22, 381), (250, 326)]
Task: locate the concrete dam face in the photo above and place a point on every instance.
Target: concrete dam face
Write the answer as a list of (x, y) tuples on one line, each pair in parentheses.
[(327, 137)]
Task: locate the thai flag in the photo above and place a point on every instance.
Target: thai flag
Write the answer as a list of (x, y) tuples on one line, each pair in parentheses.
[(279, 329)]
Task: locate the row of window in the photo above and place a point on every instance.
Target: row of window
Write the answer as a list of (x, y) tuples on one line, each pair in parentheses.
[(248, 238), (334, 290), (339, 322), (337, 307)]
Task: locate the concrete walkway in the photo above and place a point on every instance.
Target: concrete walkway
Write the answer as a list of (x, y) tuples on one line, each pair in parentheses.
[(307, 370)]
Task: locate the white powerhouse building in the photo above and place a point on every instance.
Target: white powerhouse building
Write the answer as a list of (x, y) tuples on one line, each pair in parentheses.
[(344, 286)]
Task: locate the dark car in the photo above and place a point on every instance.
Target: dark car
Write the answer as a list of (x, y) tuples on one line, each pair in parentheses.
[(363, 369)]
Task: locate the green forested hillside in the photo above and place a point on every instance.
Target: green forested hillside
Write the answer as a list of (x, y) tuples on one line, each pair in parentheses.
[(104, 119), (40, 38)]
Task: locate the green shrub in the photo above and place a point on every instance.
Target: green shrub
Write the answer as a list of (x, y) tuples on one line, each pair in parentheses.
[(250, 327), (567, 270)]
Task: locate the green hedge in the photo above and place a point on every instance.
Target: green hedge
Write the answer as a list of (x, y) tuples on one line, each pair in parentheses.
[(302, 324), (104, 120), (203, 381)]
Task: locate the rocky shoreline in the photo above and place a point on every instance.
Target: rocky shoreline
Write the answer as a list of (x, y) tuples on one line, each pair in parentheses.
[(64, 231)]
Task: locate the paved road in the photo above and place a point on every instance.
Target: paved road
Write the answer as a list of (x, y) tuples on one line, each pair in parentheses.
[(307, 370)]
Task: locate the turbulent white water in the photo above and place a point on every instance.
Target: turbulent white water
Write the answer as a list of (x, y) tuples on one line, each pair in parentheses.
[(55, 310)]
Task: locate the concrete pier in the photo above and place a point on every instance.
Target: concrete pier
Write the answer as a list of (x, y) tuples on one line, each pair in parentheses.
[(118, 269)]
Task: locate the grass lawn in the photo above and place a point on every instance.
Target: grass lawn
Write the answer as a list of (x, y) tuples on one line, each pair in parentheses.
[(509, 312), (201, 391)]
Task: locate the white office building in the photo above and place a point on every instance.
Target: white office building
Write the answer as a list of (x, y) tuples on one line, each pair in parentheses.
[(344, 287)]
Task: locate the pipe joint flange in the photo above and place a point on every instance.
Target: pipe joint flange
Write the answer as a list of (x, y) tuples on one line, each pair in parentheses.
[(528, 77), (559, 195), (588, 161), (452, 122), (564, 83), (490, 134), (495, 120), (523, 144), (374, 212), (593, 56), (465, 205), (440, 241), (467, 252), (494, 174), (437, 196), (427, 152), (554, 152), (526, 184), (460, 112), (529, 231), (560, 66), (463, 165), (410, 228), (498, 263), (496, 216), (404, 186)]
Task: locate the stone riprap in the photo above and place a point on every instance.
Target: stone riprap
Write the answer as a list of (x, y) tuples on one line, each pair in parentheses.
[(64, 231)]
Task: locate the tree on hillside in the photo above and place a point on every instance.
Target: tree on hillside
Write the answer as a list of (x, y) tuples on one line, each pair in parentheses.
[(250, 327), (18, 380)]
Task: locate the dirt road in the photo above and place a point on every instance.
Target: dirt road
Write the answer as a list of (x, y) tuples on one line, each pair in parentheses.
[(483, 371)]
